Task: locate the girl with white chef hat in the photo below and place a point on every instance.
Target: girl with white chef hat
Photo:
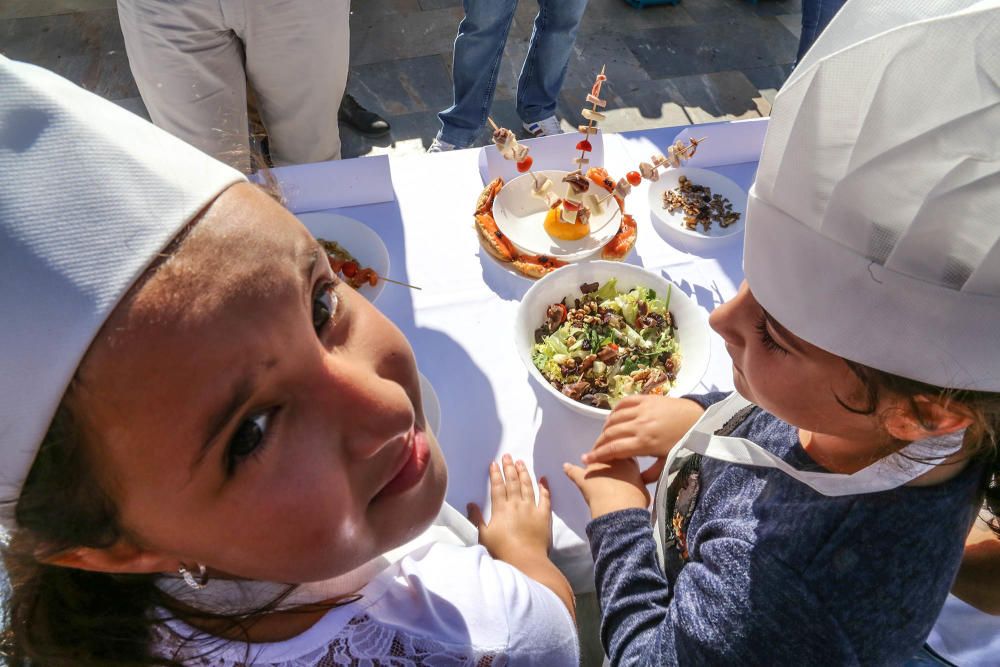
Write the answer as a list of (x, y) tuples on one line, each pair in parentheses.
[(817, 515), (211, 450)]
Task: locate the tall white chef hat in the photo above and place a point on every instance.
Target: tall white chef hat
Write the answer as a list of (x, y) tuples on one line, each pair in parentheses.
[(89, 195), (873, 228)]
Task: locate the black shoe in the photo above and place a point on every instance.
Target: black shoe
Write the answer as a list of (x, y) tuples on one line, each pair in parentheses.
[(361, 119)]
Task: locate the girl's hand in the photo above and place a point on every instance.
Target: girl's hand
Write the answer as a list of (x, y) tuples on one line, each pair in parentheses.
[(519, 526), (610, 487), (644, 426)]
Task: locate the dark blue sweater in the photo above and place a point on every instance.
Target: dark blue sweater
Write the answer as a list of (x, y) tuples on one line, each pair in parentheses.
[(779, 574)]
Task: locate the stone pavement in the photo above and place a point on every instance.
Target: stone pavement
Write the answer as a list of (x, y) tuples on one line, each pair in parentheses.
[(695, 62)]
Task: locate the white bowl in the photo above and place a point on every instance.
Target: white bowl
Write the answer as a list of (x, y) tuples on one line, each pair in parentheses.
[(690, 320), (356, 238), (521, 216), (673, 223)]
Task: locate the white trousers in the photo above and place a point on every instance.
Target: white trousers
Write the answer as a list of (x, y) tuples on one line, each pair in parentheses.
[(192, 60)]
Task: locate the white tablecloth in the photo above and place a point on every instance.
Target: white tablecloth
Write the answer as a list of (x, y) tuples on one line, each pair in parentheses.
[(460, 324)]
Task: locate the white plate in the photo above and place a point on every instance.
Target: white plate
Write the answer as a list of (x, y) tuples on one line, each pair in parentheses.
[(521, 216), (691, 321), (432, 407), (717, 183), (357, 239)]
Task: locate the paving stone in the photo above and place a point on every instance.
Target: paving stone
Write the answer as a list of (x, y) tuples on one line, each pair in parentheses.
[(713, 47), (635, 106), (135, 105), (617, 17), (793, 22), (717, 96), (591, 52), (411, 133), (86, 47), (778, 7), (439, 4), (393, 37), (402, 86), (19, 9), (711, 11), (768, 80), (366, 10)]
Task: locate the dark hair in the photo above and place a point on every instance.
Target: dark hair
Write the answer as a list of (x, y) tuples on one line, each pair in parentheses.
[(981, 438)]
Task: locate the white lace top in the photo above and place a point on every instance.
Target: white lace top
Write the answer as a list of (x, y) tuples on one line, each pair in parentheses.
[(440, 606)]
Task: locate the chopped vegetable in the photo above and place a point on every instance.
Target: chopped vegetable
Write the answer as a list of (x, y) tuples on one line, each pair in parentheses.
[(608, 345)]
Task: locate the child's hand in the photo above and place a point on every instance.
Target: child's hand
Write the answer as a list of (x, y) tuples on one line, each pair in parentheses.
[(610, 487), (644, 426), (518, 525)]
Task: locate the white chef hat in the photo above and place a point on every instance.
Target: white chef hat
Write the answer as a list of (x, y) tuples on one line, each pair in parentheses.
[(89, 195), (873, 228)]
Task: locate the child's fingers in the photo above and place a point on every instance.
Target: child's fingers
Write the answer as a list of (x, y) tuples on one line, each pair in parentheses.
[(575, 474), (527, 491), (498, 491), (544, 495), (652, 473), (475, 515), (610, 450), (510, 477)]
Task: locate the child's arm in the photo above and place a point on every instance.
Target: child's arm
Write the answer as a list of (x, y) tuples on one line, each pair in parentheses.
[(978, 581), (520, 530), (644, 426)]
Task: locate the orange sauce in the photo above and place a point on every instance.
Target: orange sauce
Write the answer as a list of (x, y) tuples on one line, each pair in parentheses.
[(564, 231)]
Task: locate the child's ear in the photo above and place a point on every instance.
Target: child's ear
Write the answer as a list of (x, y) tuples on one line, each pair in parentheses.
[(123, 557), (933, 418)]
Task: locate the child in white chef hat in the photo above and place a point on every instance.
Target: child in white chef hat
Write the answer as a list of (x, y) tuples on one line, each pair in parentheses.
[(818, 515), (193, 409)]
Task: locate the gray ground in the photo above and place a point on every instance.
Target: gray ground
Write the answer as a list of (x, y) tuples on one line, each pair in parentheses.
[(698, 61)]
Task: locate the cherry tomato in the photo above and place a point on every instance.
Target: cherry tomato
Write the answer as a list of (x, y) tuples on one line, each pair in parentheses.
[(525, 164), (634, 177), (349, 269), (584, 146)]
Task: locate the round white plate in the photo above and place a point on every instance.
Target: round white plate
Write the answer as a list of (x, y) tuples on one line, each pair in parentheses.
[(357, 239), (521, 216), (691, 321), (432, 407), (717, 183)]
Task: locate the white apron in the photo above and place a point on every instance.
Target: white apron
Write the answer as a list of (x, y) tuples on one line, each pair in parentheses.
[(887, 473)]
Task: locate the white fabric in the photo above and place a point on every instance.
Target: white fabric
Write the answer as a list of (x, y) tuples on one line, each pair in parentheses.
[(442, 605), (232, 596), (192, 62), (966, 636), (872, 225), (887, 473), (89, 195)]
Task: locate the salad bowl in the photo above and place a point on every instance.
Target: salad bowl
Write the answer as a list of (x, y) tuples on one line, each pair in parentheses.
[(690, 323)]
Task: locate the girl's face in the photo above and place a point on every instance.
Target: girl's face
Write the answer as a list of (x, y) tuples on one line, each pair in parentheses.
[(790, 378), (246, 410)]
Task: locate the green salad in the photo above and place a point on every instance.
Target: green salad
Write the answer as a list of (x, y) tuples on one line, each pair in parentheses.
[(608, 344)]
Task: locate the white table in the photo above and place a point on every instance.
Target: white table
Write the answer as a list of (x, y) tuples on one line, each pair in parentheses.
[(460, 324)]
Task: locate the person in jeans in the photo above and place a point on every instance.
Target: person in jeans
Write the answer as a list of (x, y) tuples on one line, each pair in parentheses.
[(816, 14), (478, 50)]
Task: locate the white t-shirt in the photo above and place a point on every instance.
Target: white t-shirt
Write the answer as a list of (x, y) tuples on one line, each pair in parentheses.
[(966, 636), (440, 605)]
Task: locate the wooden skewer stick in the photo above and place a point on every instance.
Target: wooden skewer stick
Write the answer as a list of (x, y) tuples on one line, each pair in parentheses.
[(495, 126), (397, 282), (590, 124)]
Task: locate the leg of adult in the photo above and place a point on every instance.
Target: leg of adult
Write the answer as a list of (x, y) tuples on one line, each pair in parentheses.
[(297, 55), (478, 50), (188, 66), (816, 14), (545, 67)]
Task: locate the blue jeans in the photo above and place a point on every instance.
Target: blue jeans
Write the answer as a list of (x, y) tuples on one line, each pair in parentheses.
[(816, 14), (479, 48)]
